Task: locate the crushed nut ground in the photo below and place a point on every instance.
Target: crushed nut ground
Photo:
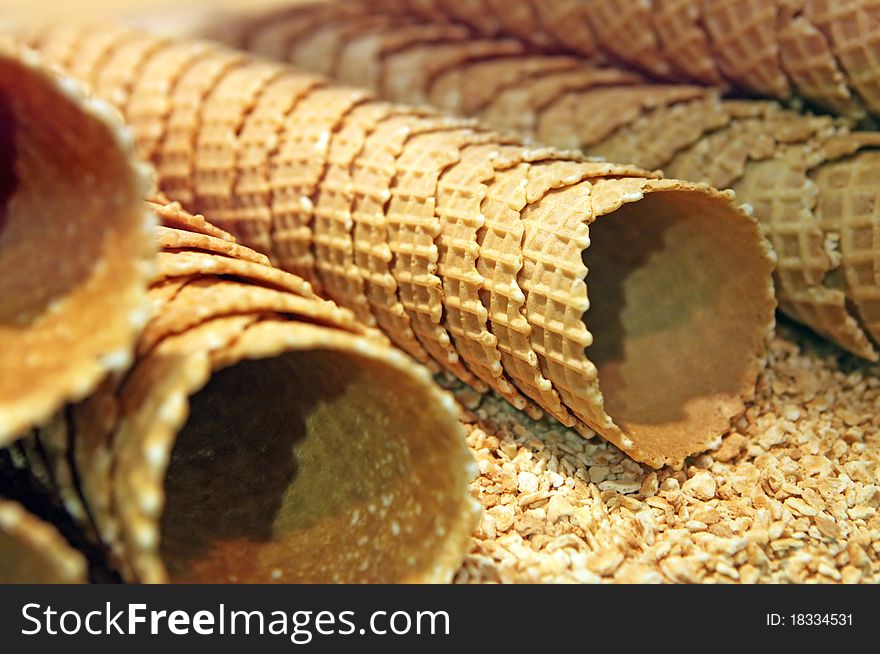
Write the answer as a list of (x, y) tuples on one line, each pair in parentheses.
[(790, 495)]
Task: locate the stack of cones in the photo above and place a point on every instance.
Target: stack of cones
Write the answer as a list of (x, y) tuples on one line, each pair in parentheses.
[(789, 168), (241, 428), (468, 250), (227, 453), (76, 255), (821, 51)]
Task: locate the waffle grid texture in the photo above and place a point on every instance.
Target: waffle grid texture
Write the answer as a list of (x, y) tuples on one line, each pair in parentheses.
[(345, 191), (772, 157), (822, 51)]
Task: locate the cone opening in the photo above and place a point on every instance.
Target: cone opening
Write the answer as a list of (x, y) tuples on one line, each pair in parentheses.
[(680, 302), (73, 244), (48, 176), (315, 466)]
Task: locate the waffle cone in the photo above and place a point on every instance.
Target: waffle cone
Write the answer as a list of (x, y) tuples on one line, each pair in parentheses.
[(57, 42), (369, 59), (176, 155), (149, 105), (521, 20), (340, 276), (557, 194), (460, 196), (613, 22), (472, 12), (360, 63), (175, 218), (260, 136), (519, 108), (660, 129), (721, 157), (693, 135), (413, 227), (295, 171), (71, 186), (585, 119), (770, 167), (408, 75), (32, 551), (809, 60), (846, 207), (548, 214), (669, 202), (683, 41), (743, 36), (766, 155), (319, 50), (176, 238), (374, 172), (350, 176), (851, 34), (821, 51), (215, 165), (468, 90), (274, 33), (184, 263), (95, 48), (158, 453), (500, 260), (123, 67)]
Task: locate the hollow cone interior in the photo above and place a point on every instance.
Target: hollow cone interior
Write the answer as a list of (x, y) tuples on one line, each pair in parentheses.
[(75, 242), (261, 436)]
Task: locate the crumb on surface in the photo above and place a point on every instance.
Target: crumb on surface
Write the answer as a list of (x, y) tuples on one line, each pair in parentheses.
[(790, 495)]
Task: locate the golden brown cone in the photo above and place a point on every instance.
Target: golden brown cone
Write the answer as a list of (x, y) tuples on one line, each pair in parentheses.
[(264, 440), (821, 51), (847, 207), (393, 185), (76, 248), (33, 552), (692, 134)]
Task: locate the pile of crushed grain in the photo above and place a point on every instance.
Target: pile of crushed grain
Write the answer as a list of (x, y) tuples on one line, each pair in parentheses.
[(790, 495)]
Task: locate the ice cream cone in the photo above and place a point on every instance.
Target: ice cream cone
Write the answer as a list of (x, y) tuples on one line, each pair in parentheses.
[(459, 204), (743, 37), (851, 34), (346, 168), (259, 437), (468, 90), (75, 243), (215, 167), (32, 551), (820, 51), (259, 140), (334, 244), (808, 59), (684, 42), (408, 74), (692, 134)]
